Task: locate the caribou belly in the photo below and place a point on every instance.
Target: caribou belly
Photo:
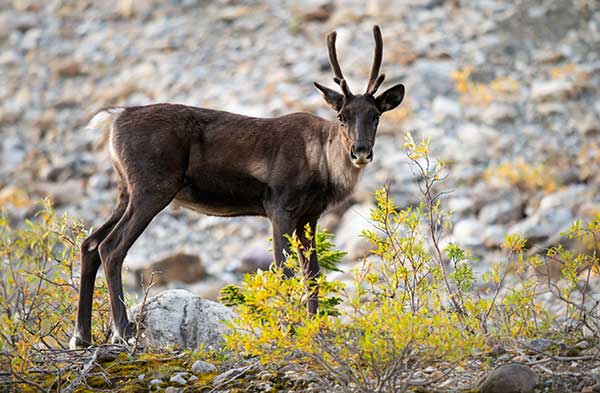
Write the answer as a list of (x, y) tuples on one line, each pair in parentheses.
[(224, 195)]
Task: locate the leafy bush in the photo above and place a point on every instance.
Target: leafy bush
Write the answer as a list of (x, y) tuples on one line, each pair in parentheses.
[(401, 310), (410, 303), (39, 269)]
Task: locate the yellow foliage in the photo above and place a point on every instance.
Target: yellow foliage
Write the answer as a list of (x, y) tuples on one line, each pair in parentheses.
[(561, 71), (14, 196), (406, 303), (524, 176), (39, 267), (481, 94)]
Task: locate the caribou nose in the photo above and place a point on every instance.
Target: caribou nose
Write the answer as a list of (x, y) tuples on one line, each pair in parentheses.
[(361, 153)]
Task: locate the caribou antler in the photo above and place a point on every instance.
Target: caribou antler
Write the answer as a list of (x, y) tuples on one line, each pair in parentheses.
[(335, 65), (375, 80)]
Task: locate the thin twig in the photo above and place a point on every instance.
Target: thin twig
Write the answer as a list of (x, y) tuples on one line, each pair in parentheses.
[(140, 316), (236, 376)]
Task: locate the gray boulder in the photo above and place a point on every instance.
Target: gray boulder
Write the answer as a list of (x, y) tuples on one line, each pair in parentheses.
[(509, 378), (179, 318)]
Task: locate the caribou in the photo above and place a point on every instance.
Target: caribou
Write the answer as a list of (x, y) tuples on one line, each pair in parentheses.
[(288, 169)]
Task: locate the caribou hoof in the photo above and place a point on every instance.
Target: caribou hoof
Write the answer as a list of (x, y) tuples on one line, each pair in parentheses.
[(124, 338), (77, 342)]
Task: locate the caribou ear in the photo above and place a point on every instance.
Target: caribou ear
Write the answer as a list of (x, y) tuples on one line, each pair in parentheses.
[(390, 98), (333, 98)]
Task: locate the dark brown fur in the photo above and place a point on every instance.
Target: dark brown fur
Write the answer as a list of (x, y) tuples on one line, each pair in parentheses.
[(289, 169)]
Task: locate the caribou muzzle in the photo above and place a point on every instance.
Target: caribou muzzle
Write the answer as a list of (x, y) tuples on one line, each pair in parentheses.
[(361, 154)]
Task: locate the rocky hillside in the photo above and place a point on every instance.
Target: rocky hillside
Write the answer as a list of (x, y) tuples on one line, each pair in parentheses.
[(508, 92)]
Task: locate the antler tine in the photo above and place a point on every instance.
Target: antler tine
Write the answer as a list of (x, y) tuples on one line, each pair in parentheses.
[(335, 65), (374, 80), (376, 84), (345, 88)]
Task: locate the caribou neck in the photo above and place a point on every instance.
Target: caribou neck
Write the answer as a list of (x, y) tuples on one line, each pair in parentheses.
[(342, 175)]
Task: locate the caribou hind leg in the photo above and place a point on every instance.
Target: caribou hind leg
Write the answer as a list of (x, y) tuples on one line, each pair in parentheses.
[(90, 262), (144, 205)]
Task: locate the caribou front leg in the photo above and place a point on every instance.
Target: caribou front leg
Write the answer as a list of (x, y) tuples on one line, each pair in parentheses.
[(282, 224), (310, 267)]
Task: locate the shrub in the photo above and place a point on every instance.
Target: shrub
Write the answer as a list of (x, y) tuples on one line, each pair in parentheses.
[(402, 310), (412, 303), (39, 265)]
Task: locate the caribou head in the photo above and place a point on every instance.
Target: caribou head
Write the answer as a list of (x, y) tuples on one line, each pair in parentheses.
[(358, 114)]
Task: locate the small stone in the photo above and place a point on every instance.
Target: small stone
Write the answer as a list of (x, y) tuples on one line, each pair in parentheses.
[(543, 224), (9, 116), (141, 377), (67, 192), (319, 11), (227, 375), (5, 27), (178, 378), (98, 182), (587, 125), (67, 68), (31, 39), (471, 143), (494, 236), (256, 257), (504, 357), (461, 205), (429, 369), (348, 236), (444, 107), (437, 375), (173, 389), (520, 359), (509, 378), (540, 344), (591, 389), (202, 367), (552, 90), (583, 344), (174, 268), (501, 212), (496, 113), (156, 381), (497, 350), (468, 232)]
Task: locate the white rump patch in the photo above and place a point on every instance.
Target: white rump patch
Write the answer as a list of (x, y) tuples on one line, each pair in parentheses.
[(104, 119)]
